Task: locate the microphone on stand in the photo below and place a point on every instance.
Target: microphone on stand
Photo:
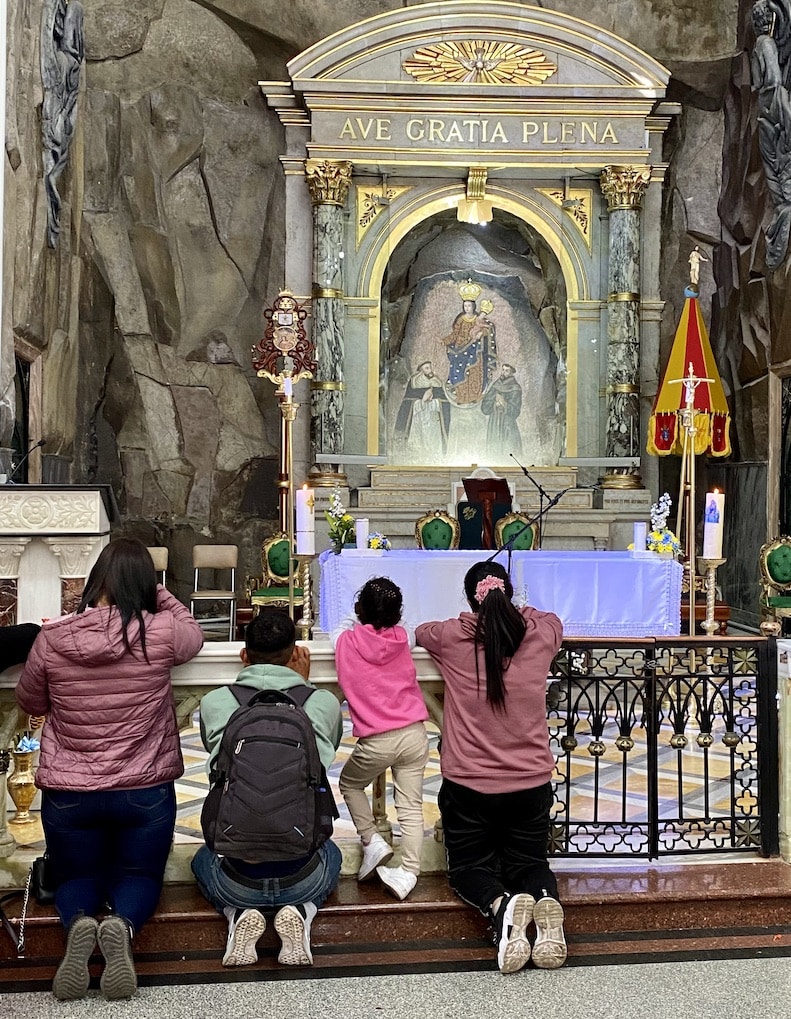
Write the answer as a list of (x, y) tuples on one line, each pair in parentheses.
[(23, 461)]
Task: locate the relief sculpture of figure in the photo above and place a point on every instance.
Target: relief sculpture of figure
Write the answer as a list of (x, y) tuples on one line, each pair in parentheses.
[(771, 66), (470, 348), (502, 405), (61, 61), (424, 416)]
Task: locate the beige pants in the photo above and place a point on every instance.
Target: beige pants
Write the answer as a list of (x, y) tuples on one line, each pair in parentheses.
[(405, 752)]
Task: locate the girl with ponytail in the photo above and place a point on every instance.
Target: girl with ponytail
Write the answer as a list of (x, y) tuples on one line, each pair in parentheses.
[(496, 764)]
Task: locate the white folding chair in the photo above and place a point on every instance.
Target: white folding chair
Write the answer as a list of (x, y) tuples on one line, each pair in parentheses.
[(219, 559), (159, 556)]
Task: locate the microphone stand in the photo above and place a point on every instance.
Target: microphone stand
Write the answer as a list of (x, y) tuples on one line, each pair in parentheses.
[(542, 496), (509, 545), (23, 461)]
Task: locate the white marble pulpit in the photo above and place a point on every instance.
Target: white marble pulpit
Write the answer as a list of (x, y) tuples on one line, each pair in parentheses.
[(50, 537)]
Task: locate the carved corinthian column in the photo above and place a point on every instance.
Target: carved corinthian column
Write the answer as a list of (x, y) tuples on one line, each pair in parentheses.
[(328, 182), (623, 187)]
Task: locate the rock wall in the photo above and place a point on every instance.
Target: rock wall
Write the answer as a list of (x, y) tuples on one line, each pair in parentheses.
[(173, 236)]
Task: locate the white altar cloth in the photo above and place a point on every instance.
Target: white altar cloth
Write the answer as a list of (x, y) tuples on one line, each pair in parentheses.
[(596, 594)]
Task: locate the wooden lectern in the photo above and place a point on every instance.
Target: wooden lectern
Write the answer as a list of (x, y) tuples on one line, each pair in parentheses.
[(488, 492)]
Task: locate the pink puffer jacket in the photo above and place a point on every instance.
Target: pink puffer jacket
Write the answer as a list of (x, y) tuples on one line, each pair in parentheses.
[(111, 721)]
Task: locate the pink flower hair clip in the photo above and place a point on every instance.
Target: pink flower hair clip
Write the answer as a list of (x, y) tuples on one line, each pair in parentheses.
[(490, 583)]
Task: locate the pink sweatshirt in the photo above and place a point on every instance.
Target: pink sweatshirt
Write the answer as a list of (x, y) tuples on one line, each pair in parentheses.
[(377, 676), (484, 749)]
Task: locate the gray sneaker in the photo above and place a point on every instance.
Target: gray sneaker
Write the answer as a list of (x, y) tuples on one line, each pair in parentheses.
[(511, 923), (72, 978), (549, 950), (245, 927), (292, 924), (119, 979)]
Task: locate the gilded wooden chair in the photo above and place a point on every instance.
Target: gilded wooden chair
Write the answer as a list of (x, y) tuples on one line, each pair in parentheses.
[(516, 526), (275, 563), (775, 563), (437, 530), (218, 563)]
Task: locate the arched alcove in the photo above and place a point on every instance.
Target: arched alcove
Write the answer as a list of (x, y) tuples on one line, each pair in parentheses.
[(473, 344)]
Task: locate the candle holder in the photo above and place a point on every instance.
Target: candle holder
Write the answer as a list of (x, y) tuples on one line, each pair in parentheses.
[(709, 569), (305, 625)]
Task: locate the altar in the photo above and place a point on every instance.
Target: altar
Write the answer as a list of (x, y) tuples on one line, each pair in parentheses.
[(596, 594)]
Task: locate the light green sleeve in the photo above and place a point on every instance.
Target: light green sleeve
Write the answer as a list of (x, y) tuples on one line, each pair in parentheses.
[(324, 712)]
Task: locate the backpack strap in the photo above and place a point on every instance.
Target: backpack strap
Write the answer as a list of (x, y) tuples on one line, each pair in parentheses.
[(298, 694)]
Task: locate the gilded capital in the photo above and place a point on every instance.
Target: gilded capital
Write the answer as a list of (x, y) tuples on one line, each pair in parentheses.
[(328, 180), (624, 186)]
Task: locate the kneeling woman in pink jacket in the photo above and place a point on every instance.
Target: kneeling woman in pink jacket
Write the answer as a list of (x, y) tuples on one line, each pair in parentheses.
[(496, 793), (110, 754)]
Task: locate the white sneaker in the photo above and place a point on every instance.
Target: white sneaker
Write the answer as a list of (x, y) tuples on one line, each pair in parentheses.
[(511, 922), (397, 880), (245, 927), (292, 924), (377, 851), (549, 950)]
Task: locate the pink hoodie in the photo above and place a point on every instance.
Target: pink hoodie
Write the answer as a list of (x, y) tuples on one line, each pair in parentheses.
[(484, 749), (377, 676)]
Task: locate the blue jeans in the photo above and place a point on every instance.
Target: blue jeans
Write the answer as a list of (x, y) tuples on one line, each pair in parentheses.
[(271, 893), (109, 847)]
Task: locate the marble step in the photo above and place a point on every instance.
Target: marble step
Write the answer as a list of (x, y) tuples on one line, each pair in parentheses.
[(614, 913)]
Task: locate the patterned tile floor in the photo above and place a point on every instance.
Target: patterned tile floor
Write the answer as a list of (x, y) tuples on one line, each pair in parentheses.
[(595, 783)]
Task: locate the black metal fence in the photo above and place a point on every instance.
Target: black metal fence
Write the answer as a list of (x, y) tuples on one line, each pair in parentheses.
[(664, 746)]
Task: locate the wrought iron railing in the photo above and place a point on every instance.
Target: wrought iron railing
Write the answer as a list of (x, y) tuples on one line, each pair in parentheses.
[(664, 746)]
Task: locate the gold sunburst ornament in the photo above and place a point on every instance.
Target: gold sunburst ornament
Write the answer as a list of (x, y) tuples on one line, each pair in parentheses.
[(480, 62)]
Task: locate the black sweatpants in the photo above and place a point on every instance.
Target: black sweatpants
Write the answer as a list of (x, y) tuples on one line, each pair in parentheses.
[(496, 843)]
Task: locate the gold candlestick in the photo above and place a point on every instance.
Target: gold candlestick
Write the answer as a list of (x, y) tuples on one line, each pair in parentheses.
[(709, 569), (305, 625)]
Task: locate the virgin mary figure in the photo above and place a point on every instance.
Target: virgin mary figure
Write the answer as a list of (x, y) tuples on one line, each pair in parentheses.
[(471, 349)]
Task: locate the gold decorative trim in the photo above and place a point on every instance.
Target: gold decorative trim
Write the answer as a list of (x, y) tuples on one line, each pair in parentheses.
[(327, 479), (328, 180), (328, 384), (623, 296), (624, 186), (329, 293), (577, 203), (480, 62), (622, 481), (371, 201), (622, 387)]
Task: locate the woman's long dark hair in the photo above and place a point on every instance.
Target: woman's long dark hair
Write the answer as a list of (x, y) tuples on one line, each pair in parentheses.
[(500, 628), (124, 575)]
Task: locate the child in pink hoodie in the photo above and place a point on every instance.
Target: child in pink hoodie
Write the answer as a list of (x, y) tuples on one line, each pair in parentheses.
[(377, 676)]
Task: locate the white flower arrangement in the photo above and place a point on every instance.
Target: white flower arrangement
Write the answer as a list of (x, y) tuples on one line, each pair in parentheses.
[(660, 538)]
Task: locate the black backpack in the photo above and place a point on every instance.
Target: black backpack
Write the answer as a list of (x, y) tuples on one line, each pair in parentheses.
[(270, 799)]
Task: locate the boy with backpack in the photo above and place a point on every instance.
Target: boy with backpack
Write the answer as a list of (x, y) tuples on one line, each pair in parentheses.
[(268, 816)]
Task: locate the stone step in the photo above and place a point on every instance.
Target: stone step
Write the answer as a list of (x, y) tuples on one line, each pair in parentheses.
[(632, 912)]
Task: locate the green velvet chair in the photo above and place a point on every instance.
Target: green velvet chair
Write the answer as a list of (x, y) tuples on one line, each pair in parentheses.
[(437, 531), (274, 583), (514, 524), (775, 563)]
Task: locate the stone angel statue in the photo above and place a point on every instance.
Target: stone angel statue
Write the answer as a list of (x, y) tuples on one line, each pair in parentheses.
[(62, 52)]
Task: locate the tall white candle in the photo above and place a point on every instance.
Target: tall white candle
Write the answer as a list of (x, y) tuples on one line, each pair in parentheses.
[(306, 542), (361, 532), (713, 519), (306, 510), (288, 387), (640, 532)]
